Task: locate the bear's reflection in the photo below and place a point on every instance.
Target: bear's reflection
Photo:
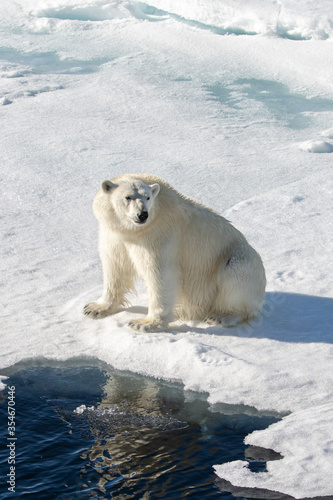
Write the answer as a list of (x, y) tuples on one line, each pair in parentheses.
[(137, 431)]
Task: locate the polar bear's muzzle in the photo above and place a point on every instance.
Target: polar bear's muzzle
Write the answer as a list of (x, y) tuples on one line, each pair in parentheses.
[(142, 217)]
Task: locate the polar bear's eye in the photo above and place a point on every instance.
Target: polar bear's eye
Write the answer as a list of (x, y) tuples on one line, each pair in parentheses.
[(128, 198), (148, 198)]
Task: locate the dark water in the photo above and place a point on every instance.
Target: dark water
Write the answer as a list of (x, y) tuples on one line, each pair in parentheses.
[(142, 440)]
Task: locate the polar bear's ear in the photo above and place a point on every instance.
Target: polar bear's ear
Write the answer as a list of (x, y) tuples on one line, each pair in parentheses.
[(107, 186), (155, 189)]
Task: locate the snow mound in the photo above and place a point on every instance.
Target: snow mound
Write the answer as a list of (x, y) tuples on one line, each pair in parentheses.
[(328, 133), (316, 147)]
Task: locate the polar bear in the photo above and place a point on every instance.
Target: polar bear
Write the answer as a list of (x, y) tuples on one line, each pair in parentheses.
[(194, 263)]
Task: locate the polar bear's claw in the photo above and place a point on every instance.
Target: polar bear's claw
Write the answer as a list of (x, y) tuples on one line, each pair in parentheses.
[(144, 325), (226, 321), (96, 311)]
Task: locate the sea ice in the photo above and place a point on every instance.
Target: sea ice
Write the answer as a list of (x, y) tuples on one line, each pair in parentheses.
[(101, 88), (304, 439), (2, 382)]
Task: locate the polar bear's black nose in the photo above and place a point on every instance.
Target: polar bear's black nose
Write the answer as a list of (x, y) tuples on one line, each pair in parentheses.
[(143, 216)]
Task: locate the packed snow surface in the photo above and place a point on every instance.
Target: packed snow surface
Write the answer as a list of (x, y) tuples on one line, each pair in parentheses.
[(224, 100)]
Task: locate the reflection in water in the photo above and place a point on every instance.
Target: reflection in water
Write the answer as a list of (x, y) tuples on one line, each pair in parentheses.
[(141, 437), (90, 433), (147, 433)]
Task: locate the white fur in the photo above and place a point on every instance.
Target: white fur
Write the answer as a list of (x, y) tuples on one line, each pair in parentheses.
[(194, 263)]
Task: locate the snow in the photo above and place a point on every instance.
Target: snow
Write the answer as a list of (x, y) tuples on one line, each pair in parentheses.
[(2, 384), (301, 433), (225, 102), (286, 18), (316, 147), (328, 133)]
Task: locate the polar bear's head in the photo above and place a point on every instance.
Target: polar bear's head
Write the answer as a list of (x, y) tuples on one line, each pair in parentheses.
[(131, 200)]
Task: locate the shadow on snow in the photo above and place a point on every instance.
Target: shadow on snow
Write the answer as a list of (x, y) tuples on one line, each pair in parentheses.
[(286, 317)]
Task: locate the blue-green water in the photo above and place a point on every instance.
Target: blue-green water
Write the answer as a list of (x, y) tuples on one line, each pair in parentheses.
[(143, 439)]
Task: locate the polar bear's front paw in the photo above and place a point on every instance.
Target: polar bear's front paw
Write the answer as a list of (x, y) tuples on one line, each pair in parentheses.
[(145, 325), (225, 320), (97, 310)]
